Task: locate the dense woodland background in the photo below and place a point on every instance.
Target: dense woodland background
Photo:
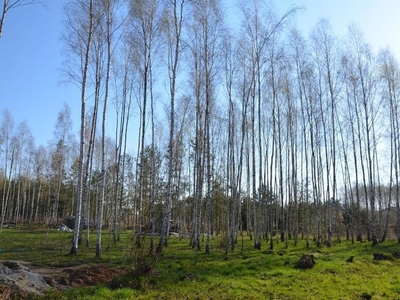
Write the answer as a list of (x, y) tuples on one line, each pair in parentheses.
[(241, 125)]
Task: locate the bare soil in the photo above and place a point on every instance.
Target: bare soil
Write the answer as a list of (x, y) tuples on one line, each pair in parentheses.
[(20, 279)]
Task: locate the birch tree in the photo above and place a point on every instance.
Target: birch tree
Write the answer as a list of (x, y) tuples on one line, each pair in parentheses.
[(261, 30), (63, 137), (78, 45), (145, 22), (350, 82), (233, 172), (390, 93), (208, 24), (173, 31), (362, 58), (27, 146), (6, 136), (326, 59), (107, 32)]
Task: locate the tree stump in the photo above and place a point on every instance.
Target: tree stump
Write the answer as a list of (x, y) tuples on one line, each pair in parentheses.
[(306, 262), (396, 254), (381, 256)]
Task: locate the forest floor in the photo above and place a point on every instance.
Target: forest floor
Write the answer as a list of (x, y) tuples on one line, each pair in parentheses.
[(344, 271)]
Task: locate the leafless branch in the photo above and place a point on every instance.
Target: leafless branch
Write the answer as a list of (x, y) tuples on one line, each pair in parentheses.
[(17, 3)]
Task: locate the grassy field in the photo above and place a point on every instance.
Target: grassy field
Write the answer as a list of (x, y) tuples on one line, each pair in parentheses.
[(182, 273)]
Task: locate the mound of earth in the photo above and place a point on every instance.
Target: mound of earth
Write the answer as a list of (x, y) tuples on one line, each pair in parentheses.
[(18, 281)]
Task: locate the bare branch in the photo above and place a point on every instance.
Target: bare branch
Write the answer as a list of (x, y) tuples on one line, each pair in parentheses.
[(17, 3)]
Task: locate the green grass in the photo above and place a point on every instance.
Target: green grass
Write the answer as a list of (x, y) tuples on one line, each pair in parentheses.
[(183, 273), (51, 248)]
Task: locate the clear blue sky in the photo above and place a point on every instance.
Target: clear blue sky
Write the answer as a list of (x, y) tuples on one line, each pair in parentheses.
[(30, 53)]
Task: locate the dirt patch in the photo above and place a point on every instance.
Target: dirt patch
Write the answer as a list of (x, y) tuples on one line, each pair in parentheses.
[(17, 281), (93, 275)]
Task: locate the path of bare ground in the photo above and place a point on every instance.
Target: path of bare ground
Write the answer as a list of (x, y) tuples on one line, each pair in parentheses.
[(20, 279)]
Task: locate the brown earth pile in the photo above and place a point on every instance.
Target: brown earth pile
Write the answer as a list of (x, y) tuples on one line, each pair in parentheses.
[(18, 281)]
